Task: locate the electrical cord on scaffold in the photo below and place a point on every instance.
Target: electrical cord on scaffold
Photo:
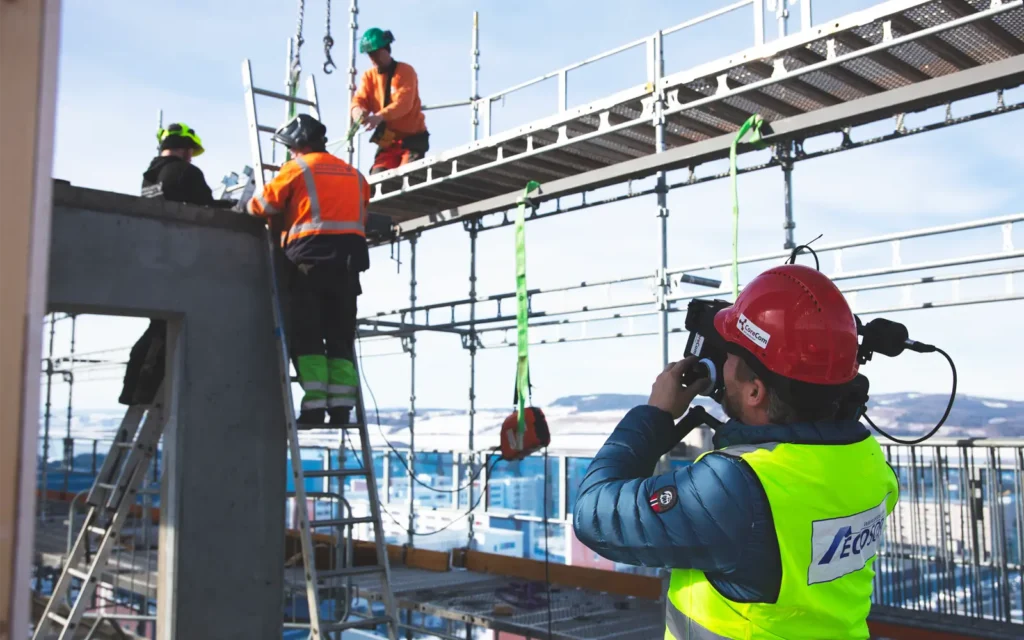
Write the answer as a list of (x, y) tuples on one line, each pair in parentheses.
[(401, 459), (470, 510)]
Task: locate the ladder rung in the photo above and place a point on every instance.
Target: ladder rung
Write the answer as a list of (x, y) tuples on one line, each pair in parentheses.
[(61, 620), (271, 167), (124, 445), (283, 96), (355, 624), (310, 427), (334, 473), (351, 571), (100, 531), (81, 575), (265, 128), (340, 522), (107, 486)]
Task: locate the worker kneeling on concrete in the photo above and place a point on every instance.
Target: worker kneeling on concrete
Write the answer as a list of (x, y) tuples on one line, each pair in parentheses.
[(772, 534), (323, 203), (388, 102)]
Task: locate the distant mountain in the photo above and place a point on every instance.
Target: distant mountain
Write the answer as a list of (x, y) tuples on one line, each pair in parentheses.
[(583, 422)]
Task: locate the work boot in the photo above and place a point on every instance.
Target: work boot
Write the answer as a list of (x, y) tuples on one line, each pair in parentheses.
[(340, 415), (311, 418)]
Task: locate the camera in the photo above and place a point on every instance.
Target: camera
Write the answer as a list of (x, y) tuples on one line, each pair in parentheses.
[(705, 343), (881, 335)]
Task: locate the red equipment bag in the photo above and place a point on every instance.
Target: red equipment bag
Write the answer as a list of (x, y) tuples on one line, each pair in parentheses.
[(536, 436)]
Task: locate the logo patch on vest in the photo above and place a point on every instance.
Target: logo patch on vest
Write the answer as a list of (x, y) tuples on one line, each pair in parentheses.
[(663, 499), (843, 545)]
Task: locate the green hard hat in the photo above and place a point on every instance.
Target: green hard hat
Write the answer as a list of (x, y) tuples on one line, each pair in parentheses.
[(374, 39)]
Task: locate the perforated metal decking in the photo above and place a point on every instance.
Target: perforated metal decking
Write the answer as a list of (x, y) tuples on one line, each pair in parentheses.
[(512, 605), (900, 55)]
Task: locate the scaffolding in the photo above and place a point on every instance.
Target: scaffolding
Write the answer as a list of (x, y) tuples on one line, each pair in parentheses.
[(885, 62), (821, 81)]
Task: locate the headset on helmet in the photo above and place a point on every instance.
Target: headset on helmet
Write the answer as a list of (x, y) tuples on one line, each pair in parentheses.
[(302, 131)]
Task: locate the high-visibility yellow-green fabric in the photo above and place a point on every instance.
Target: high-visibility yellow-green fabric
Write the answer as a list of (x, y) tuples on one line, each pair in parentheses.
[(342, 383), (829, 504), (313, 377)]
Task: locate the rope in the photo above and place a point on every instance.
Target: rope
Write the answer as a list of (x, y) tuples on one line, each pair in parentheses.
[(753, 123)]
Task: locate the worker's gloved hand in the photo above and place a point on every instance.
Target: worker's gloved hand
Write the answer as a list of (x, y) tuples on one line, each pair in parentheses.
[(668, 392), (371, 122), (358, 113)]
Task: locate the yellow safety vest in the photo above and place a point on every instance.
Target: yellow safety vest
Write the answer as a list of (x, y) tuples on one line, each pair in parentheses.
[(829, 504)]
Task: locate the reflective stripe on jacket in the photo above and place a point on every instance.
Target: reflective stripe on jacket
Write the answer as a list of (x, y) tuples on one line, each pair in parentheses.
[(319, 194), (829, 504)]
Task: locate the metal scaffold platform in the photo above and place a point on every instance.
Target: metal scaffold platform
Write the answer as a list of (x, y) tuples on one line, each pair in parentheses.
[(895, 58)]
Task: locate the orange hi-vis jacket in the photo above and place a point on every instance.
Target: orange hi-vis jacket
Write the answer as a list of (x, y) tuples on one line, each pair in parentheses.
[(318, 193), (404, 112)]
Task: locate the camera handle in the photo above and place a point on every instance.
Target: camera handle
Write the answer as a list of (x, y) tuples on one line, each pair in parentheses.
[(697, 417)]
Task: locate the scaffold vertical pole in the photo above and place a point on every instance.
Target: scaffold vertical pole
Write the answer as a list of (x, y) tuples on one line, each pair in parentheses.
[(662, 195), (474, 228), (412, 389), (475, 76), (805, 15), (786, 160), (69, 443), (353, 28), (46, 420), (781, 16), (758, 22)]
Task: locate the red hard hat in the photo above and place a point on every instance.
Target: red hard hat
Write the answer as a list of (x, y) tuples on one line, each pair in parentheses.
[(797, 324)]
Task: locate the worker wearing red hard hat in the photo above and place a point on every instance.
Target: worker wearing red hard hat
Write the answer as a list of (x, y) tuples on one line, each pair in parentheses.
[(772, 534)]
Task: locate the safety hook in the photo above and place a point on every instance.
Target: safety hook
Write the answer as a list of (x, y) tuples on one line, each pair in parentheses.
[(329, 64)]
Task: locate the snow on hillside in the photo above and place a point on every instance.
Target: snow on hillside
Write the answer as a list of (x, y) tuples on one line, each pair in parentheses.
[(583, 422)]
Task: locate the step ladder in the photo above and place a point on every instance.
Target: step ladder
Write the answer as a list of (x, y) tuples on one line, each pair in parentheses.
[(320, 628), (110, 501), (260, 168)]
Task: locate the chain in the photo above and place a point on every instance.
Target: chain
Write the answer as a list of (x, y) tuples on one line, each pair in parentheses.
[(328, 43), (296, 61)]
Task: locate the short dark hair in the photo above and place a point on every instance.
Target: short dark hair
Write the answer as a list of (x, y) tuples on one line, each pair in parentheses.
[(782, 410)]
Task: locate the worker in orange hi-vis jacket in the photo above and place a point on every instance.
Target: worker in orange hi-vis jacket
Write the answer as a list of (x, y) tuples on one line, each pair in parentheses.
[(388, 102), (321, 201)]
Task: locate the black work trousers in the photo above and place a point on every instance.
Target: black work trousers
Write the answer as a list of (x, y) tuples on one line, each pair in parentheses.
[(322, 309), (145, 370)]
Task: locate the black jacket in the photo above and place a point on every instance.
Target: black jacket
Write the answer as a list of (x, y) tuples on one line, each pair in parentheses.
[(175, 179)]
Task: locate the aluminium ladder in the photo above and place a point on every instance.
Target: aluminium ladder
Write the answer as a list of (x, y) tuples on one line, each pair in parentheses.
[(319, 628), (110, 501)]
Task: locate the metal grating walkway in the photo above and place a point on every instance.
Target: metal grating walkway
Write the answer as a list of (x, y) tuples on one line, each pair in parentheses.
[(894, 45), (468, 597)]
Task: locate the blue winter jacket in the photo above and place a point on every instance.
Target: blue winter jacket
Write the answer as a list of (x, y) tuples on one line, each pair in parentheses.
[(719, 521)]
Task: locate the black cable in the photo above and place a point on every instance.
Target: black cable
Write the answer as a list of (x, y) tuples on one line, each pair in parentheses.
[(471, 509), (949, 407), (381, 503), (797, 250), (398, 455)]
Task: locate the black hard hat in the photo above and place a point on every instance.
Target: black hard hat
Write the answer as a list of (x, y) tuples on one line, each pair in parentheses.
[(302, 131)]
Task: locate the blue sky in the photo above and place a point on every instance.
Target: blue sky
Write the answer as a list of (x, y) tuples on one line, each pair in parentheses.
[(185, 58)]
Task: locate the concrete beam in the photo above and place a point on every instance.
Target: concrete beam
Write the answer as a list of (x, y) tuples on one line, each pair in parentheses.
[(223, 501)]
